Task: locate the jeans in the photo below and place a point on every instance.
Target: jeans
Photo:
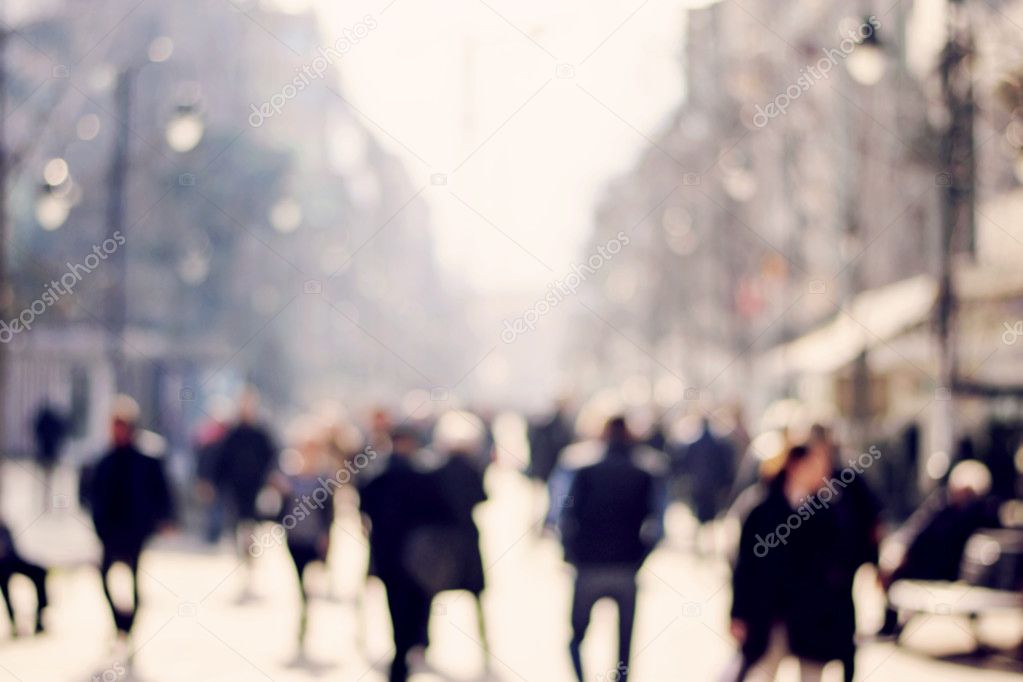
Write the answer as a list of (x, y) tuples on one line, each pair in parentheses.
[(593, 583)]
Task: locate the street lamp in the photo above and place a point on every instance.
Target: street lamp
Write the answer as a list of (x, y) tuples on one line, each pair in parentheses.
[(867, 62), (185, 130), (51, 208), (183, 133), (57, 195), (866, 66), (286, 215)]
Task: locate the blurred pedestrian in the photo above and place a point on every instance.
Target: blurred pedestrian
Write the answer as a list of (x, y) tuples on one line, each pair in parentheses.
[(206, 446), (459, 437), (402, 506), (246, 456), (611, 521), (130, 500), (786, 580), (931, 543), (11, 564), (50, 429), (707, 465), (547, 438), (857, 524), (308, 508)]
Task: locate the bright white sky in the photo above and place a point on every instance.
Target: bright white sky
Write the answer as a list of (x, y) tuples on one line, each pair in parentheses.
[(446, 78)]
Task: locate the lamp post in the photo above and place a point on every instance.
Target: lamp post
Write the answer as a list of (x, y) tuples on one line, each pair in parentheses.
[(957, 208), (183, 133), (866, 66)]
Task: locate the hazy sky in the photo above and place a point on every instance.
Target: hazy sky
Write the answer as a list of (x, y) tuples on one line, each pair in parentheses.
[(473, 91)]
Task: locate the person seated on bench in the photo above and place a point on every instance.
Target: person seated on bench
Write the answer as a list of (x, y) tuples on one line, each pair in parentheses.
[(931, 543)]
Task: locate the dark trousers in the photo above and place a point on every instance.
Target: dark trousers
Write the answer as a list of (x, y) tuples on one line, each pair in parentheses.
[(409, 605), (302, 554), (124, 619), (12, 565), (593, 583)]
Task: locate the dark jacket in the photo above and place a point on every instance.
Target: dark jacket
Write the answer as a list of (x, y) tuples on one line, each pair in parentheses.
[(404, 506), (546, 441), (50, 429), (936, 535), (243, 461), (129, 498), (708, 464), (461, 484), (609, 508), (803, 581)]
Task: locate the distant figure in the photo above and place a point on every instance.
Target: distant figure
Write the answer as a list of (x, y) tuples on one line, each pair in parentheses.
[(247, 455), (11, 564), (460, 436), (206, 446), (402, 508), (611, 522), (856, 512), (930, 545), (50, 430), (708, 465), (789, 578), (130, 501), (308, 515), (547, 438)]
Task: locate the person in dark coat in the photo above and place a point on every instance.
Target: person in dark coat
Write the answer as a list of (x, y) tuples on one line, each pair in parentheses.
[(206, 449), (460, 436), (11, 564), (611, 521), (130, 501), (857, 522), (247, 455), (403, 508), (931, 543), (709, 464), (547, 439), (50, 430), (786, 581)]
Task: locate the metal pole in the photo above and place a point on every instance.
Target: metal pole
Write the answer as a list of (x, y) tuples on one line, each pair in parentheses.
[(957, 203), (117, 303), (5, 288)]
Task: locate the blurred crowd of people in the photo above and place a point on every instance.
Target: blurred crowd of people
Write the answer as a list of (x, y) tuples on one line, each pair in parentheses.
[(808, 518)]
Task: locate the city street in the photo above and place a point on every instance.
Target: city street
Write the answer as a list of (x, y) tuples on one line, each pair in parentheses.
[(193, 628)]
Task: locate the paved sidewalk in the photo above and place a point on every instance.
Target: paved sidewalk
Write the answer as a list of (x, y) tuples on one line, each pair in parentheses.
[(193, 629)]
